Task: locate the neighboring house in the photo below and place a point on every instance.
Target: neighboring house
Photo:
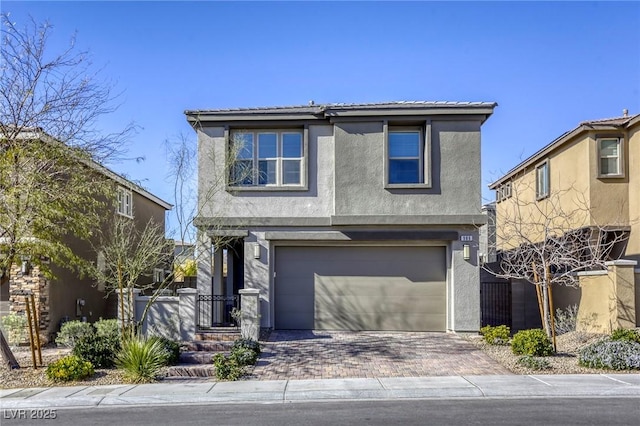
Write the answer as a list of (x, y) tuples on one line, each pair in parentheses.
[(597, 163), (347, 216), (69, 296)]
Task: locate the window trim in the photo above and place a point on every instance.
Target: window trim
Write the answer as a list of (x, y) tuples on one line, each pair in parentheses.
[(503, 192), (279, 186), (540, 195), (425, 154), (599, 157), (127, 209)]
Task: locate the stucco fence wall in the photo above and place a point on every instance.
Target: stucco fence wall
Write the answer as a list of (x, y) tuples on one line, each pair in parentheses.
[(174, 317)]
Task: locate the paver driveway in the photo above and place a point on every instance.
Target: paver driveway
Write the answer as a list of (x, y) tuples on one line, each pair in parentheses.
[(329, 355)]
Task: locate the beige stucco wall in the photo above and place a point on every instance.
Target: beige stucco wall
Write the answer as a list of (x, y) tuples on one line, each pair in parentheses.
[(633, 247)]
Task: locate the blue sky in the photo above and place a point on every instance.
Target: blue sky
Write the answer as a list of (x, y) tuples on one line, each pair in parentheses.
[(548, 65)]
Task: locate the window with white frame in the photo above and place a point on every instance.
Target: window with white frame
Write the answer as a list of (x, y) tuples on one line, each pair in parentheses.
[(542, 180), (405, 152), (124, 202), (610, 157), (158, 275), (503, 192), (267, 158)]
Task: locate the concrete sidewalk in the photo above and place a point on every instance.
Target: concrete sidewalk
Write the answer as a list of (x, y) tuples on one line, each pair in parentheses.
[(282, 391)]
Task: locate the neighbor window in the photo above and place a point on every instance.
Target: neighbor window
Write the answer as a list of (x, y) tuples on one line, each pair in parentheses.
[(125, 202), (542, 180), (610, 156), (405, 156), (503, 192), (267, 158)]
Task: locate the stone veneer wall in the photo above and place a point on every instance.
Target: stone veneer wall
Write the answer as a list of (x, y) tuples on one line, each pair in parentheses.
[(22, 284)]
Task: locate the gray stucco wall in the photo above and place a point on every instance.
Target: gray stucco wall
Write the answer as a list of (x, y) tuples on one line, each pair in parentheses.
[(455, 172)]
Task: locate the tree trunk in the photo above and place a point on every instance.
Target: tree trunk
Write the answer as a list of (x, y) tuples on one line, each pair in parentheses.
[(546, 320), (8, 358)]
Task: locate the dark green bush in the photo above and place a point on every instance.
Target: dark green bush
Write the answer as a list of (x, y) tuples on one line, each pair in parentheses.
[(108, 328), (227, 367), (71, 331), (612, 354), (531, 342), (627, 335), (244, 356), (247, 343), (170, 349), (69, 368), (141, 359), (498, 335), (99, 350)]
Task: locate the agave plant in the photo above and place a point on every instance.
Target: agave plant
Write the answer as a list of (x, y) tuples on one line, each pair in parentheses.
[(141, 359)]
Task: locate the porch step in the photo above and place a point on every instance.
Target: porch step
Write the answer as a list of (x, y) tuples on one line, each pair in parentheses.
[(220, 335), (197, 357), (191, 370), (207, 345)]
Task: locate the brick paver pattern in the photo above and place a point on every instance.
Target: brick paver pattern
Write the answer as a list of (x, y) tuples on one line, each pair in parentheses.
[(331, 355)]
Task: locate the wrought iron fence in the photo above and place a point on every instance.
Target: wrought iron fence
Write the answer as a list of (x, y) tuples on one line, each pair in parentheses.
[(215, 311)]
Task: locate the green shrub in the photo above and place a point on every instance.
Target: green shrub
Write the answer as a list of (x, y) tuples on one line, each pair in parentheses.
[(498, 335), (15, 327), (99, 350), (612, 354), (244, 356), (227, 367), (69, 368), (108, 328), (627, 335), (534, 363), (531, 342), (72, 331), (170, 349), (141, 359), (248, 344)]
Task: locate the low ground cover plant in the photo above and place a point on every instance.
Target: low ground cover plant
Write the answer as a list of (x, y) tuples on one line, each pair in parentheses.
[(534, 363), (534, 342), (69, 368), (496, 335), (619, 351)]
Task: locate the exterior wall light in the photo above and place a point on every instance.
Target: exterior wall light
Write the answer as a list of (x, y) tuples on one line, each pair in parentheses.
[(256, 251), (466, 252)]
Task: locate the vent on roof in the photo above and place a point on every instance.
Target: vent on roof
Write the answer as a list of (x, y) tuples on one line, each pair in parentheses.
[(625, 112)]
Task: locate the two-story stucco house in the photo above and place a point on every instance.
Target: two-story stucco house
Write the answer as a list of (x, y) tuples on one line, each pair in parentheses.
[(347, 216), (592, 173)]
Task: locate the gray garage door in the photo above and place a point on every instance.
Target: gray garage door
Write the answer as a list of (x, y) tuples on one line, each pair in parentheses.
[(360, 288)]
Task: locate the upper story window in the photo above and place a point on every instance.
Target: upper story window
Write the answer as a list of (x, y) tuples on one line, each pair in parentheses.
[(267, 158), (125, 202), (610, 157), (503, 191), (406, 154), (542, 180)]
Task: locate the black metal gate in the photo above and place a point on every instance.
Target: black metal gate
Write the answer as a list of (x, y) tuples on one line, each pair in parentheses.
[(495, 303), (215, 311)]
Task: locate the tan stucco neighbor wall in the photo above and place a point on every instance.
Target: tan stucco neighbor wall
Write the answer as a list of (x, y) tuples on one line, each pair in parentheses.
[(608, 300)]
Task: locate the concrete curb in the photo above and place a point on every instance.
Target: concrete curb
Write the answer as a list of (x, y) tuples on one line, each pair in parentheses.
[(288, 391)]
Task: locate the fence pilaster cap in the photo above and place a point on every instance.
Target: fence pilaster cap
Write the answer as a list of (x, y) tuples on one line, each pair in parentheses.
[(249, 291), (186, 291), (621, 262)]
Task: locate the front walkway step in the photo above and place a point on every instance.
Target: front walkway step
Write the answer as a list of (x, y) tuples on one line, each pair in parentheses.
[(219, 334), (207, 346), (197, 357), (191, 370)]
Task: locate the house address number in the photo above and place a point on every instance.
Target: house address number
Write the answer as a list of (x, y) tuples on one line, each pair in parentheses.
[(466, 238)]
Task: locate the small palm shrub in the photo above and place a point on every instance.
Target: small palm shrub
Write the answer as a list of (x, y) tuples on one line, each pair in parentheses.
[(141, 359), (627, 335), (72, 331), (611, 354), (170, 349), (498, 335), (69, 368), (533, 342)]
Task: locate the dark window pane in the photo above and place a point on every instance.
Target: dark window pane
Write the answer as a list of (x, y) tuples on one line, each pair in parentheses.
[(404, 171), (244, 145), (404, 144), (291, 172), (267, 172), (292, 145), (267, 145), (242, 173)]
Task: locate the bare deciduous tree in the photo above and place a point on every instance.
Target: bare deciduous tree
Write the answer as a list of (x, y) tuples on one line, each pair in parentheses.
[(547, 242)]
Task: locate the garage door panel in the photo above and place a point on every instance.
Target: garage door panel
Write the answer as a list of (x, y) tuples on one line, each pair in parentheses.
[(361, 288)]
